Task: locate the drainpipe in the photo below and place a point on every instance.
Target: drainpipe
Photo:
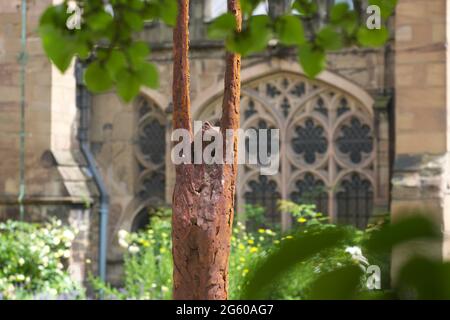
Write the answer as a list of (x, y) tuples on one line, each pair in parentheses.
[(23, 61), (84, 104)]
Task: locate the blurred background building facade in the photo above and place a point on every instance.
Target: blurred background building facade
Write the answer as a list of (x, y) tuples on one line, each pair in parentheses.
[(367, 137)]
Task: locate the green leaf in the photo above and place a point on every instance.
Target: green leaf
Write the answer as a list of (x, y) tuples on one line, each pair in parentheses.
[(290, 30), (291, 252), (134, 20), (169, 11), (372, 38), (97, 78), (305, 7), (128, 85), (339, 12), (57, 47), (148, 75), (99, 20), (424, 278), (313, 60), (342, 16), (387, 7), (138, 53), (55, 16), (222, 27), (414, 227), (252, 39), (338, 284), (248, 6), (115, 63), (329, 39)]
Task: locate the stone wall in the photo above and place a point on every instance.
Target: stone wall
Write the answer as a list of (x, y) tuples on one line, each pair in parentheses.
[(422, 117), (56, 181)]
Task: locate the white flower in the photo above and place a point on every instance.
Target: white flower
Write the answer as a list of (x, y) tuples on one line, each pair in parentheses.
[(123, 243), (45, 261), (52, 292), (354, 251), (20, 277), (357, 255), (56, 241), (164, 289), (68, 235), (123, 234), (21, 261), (133, 249), (45, 250)]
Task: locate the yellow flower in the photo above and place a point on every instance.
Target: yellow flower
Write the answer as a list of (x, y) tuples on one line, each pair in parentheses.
[(261, 230), (241, 246), (244, 273), (162, 250), (250, 241), (301, 220), (289, 237), (253, 249), (242, 259)]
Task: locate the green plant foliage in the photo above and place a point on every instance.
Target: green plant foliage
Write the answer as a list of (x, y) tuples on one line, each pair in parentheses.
[(415, 227), (290, 30), (372, 38), (222, 27), (253, 37), (345, 282), (342, 283), (148, 263), (121, 63), (33, 261), (107, 39), (312, 59), (387, 7), (345, 28)]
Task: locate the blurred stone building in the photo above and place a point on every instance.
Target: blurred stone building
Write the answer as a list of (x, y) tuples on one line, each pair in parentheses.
[(367, 137)]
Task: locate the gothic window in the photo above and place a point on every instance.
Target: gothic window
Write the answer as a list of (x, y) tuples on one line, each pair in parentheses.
[(311, 190), (354, 200), (264, 192), (355, 140), (327, 148), (250, 110), (152, 141), (150, 150), (309, 140)]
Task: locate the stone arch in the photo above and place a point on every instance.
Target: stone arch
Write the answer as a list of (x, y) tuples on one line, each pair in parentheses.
[(273, 66), (326, 128)]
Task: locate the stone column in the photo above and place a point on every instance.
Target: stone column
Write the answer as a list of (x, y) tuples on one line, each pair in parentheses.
[(422, 117)]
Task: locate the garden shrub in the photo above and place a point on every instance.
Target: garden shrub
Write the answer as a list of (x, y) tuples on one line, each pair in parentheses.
[(33, 261), (148, 260)]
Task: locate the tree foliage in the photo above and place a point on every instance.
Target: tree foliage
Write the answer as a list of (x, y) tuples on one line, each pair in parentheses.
[(106, 36)]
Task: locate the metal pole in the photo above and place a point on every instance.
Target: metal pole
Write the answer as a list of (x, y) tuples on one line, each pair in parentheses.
[(23, 61)]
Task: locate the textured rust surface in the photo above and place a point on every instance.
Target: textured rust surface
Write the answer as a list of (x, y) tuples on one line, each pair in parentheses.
[(203, 200)]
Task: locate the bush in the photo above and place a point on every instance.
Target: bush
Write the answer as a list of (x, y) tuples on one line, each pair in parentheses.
[(147, 264), (148, 260), (33, 261)]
